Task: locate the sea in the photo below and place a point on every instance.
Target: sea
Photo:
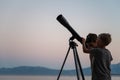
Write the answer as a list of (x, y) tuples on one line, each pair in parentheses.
[(47, 77)]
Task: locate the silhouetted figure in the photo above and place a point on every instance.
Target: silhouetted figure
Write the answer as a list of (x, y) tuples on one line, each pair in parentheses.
[(101, 57), (91, 42)]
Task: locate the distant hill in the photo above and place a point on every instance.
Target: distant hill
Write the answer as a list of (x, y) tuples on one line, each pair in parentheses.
[(29, 70), (115, 69)]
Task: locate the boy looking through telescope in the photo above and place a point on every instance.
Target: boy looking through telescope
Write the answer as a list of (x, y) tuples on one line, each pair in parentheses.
[(101, 57), (91, 43)]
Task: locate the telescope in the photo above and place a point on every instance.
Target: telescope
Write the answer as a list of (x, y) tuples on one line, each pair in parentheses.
[(72, 45), (65, 23)]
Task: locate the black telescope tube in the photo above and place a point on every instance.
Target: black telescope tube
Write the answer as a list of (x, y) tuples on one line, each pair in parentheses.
[(64, 22)]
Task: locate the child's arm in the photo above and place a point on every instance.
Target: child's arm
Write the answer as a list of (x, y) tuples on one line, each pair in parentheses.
[(85, 50)]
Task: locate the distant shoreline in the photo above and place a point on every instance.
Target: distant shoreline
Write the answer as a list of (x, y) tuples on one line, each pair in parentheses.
[(43, 71)]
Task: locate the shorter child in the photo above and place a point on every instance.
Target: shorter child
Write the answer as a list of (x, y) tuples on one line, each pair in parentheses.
[(102, 57), (91, 42)]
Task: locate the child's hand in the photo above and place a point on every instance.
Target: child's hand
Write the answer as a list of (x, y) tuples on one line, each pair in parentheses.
[(83, 40)]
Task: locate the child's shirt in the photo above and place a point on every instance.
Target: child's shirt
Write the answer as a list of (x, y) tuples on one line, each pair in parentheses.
[(100, 64)]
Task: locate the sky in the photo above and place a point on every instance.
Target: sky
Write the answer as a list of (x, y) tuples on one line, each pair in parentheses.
[(30, 35)]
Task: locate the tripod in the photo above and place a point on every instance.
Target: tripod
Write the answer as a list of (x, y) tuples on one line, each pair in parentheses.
[(78, 67)]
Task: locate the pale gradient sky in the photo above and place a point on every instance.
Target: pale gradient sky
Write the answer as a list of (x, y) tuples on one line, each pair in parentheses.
[(30, 34)]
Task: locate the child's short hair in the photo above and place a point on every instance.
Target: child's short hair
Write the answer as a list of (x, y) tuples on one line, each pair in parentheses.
[(106, 38), (91, 37)]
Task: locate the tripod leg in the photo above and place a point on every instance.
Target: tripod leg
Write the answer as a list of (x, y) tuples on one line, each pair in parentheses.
[(79, 64), (63, 64), (76, 64)]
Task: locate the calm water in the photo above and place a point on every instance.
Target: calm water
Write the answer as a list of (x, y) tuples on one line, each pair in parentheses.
[(47, 78)]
